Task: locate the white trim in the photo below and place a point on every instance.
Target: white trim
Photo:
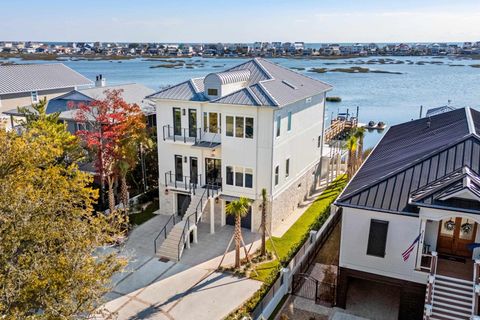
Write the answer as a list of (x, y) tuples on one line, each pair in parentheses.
[(471, 125)]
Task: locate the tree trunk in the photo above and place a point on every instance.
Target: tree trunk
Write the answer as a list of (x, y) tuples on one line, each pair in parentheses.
[(360, 152), (238, 238), (351, 163), (264, 224), (124, 192), (111, 195)]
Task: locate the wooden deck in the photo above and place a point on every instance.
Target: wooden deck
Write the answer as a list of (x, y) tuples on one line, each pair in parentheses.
[(339, 129)]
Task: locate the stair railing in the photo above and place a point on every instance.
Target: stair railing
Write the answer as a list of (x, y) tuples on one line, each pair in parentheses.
[(211, 190), (430, 284), (174, 218)]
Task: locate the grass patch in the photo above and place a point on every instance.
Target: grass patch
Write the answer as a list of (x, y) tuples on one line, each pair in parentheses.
[(287, 245), (293, 239), (143, 216)]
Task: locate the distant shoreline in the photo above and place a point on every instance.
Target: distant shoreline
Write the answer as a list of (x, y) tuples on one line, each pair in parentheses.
[(97, 57)]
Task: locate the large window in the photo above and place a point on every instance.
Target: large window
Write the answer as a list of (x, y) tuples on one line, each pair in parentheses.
[(377, 238), (229, 129), (240, 127), (239, 177), (279, 121), (277, 171), (177, 121), (211, 122), (289, 125)]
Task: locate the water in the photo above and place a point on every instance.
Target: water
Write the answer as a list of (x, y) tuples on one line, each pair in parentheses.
[(390, 98)]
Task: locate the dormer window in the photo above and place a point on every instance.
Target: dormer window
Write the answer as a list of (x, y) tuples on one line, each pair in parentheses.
[(212, 92)]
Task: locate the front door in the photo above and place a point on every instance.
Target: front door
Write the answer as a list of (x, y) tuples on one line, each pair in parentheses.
[(183, 201), (455, 235), (178, 168), (177, 122), (192, 123), (213, 170)]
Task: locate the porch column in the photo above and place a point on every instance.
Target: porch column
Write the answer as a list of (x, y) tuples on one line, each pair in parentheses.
[(423, 225), (223, 218), (212, 215), (195, 234)]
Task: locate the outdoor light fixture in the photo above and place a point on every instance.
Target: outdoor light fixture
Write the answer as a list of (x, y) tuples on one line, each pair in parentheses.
[(185, 159), (166, 192), (183, 111), (217, 200)]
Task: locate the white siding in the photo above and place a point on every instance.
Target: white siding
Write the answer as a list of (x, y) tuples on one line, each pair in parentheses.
[(402, 231)]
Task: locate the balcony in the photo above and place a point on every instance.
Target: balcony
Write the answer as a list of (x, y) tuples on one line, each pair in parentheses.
[(193, 136), (180, 182)]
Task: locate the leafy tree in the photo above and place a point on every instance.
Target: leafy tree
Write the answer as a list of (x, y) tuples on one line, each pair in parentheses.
[(49, 264), (109, 124), (238, 208)]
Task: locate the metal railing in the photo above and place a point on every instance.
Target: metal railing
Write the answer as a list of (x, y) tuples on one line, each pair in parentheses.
[(476, 286), (182, 134), (430, 285), (187, 183), (193, 218), (174, 218)]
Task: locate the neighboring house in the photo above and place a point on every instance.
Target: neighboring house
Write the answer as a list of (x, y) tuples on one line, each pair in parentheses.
[(131, 93), (421, 180), (257, 125), (24, 84)]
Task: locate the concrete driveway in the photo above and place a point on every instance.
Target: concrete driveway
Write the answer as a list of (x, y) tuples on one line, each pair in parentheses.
[(191, 289)]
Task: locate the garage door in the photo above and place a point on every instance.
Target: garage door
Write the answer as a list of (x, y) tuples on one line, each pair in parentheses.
[(246, 221)]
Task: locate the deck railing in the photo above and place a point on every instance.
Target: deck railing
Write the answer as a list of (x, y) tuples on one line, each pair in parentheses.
[(188, 183), (476, 284), (430, 284), (192, 135)]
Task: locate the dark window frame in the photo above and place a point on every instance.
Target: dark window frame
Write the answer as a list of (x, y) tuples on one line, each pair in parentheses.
[(212, 92), (377, 243)]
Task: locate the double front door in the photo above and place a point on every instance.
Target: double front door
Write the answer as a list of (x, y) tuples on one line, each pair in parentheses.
[(455, 235)]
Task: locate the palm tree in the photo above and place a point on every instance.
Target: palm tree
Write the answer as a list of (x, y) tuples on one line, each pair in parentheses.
[(264, 221), (359, 134), (352, 148), (238, 208)]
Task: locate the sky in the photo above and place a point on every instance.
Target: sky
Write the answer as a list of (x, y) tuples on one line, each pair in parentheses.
[(241, 20)]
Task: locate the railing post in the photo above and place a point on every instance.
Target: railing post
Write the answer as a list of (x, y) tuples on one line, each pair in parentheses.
[(476, 283)]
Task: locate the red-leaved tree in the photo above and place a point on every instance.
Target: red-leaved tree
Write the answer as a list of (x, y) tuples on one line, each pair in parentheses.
[(108, 123)]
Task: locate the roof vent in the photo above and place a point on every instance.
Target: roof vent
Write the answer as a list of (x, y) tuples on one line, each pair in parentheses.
[(289, 84), (100, 81), (429, 122)]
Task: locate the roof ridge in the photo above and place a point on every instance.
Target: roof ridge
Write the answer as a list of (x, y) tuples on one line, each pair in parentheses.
[(471, 125), (267, 93), (254, 96), (404, 168)]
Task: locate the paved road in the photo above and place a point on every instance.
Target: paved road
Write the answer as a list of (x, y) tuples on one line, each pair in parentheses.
[(191, 289)]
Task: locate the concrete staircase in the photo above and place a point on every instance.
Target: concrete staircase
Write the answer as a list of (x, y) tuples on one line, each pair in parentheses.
[(170, 247), (452, 298)]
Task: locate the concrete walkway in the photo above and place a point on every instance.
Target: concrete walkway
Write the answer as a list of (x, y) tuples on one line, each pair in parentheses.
[(191, 289)]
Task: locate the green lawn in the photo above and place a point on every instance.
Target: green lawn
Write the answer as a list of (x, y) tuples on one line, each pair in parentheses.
[(312, 218), (141, 217)]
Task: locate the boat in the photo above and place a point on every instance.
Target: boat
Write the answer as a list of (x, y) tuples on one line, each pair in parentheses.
[(372, 125)]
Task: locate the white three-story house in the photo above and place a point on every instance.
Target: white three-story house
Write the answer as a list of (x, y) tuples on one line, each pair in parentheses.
[(231, 134)]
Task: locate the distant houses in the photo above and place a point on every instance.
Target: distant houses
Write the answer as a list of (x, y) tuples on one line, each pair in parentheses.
[(259, 48)]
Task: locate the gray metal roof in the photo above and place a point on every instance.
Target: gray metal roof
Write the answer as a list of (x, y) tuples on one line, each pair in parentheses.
[(231, 76), (438, 110), (413, 155), (35, 77), (268, 84)]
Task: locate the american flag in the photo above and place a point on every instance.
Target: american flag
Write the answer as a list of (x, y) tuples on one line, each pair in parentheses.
[(406, 253)]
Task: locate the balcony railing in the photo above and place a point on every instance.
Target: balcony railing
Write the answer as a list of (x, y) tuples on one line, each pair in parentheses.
[(192, 135), (187, 183)]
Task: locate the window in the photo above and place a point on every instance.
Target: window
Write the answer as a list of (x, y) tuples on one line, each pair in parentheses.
[(34, 96), (213, 122), (238, 176), (178, 168), (229, 120), (248, 178), (81, 126), (287, 168), (177, 122), (278, 125), (212, 92), (277, 170), (319, 143), (249, 128), (229, 175), (239, 127), (377, 238), (289, 125), (308, 100)]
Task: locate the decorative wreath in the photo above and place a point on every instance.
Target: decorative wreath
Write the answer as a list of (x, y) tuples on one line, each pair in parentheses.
[(449, 225), (466, 227)]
